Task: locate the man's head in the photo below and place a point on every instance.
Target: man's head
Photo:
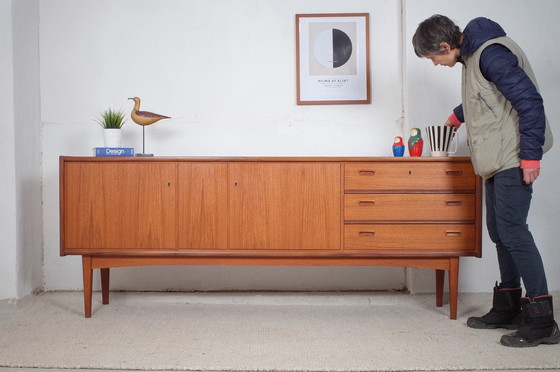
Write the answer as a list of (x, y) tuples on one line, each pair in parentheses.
[(438, 39)]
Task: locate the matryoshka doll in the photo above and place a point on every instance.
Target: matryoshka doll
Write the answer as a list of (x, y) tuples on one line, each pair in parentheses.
[(415, 142), (398, 147)]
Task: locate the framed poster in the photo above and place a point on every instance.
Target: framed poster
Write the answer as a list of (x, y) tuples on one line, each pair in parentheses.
[(332, 58)]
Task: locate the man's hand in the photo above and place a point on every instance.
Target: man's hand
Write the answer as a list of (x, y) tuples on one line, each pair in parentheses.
[(530, 175)]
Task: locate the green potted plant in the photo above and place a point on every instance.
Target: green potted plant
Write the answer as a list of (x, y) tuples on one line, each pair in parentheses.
[(112, 121)]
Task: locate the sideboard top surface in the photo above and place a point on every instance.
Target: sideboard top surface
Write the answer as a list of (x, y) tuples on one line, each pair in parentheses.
[(259, 159)]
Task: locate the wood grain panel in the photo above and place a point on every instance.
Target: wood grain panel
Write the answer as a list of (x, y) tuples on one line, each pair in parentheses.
[(413, 176), (409, 207), (119, 205), (203, 205), (285, 206), (402, 238)]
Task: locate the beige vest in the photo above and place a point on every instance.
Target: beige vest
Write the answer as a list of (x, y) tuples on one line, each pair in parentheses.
[(492, 122)]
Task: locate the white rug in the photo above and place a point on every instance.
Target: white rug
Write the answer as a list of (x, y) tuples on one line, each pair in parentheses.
[(257, 332)]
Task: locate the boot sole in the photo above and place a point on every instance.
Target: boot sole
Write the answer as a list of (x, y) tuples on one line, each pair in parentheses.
[(477, 324), (513, 340), (520, 342)]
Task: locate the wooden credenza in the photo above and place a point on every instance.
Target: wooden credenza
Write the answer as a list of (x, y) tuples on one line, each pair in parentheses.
[(410, 212)]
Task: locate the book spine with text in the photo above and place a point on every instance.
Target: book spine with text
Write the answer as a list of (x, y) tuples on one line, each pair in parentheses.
[(113, 151)]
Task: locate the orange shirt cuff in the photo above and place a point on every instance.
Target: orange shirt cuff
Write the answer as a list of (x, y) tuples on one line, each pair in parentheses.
[(453, 120), (530, 164)]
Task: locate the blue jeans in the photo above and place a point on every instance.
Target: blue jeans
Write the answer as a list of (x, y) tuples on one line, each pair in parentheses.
[(508, 199)]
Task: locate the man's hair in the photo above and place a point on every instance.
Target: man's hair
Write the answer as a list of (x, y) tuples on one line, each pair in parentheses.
[(432, 32)]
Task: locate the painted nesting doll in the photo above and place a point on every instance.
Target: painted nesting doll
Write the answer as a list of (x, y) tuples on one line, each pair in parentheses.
[(398, 147), (415, 142)]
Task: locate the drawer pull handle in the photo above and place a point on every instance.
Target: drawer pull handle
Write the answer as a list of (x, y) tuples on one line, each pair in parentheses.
[(366, 203), (453, 203), (366, 233), (366, 173), (453, 233), (454, 172)]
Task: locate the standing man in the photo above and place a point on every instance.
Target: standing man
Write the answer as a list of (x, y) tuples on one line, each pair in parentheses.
[(507, 134)]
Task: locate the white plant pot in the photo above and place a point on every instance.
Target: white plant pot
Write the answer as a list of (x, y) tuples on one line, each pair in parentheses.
[(112, 137)]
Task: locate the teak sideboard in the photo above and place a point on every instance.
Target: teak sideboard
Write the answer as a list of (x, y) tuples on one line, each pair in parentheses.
[(420, 212)]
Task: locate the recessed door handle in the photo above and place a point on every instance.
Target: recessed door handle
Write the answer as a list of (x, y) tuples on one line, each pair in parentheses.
[(453, 172), (366, 233), (453, 233), (453, 203), (366, 173), (366, 203)]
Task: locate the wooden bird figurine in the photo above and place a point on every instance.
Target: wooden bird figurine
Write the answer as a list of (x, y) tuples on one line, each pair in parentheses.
[(398, 147), (415, 142), (144, 117)]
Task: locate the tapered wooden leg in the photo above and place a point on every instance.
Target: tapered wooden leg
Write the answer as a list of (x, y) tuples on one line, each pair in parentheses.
[(88, 280), (105, 285), (440, 276), (453, 286)]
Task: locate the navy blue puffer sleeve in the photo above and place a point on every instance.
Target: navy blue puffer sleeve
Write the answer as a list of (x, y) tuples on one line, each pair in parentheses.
[(501, 67), (458, 111)]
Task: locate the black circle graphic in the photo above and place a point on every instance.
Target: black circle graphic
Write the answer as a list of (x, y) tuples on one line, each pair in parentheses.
[(342, 47)]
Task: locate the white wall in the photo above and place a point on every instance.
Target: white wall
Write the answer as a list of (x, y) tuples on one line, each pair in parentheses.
[(20, 151), (225, 71), (28, 146), (8, 241), (432, 92)]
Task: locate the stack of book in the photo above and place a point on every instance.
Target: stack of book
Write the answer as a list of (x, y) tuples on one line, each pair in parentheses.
[(113, 151)]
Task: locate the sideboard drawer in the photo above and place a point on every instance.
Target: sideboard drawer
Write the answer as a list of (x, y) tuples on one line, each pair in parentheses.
[(412, 176), (448, 238), (409, 207)]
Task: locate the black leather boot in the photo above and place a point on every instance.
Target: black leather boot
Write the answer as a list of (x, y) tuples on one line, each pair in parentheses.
[(538, 326), (505, 312)]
